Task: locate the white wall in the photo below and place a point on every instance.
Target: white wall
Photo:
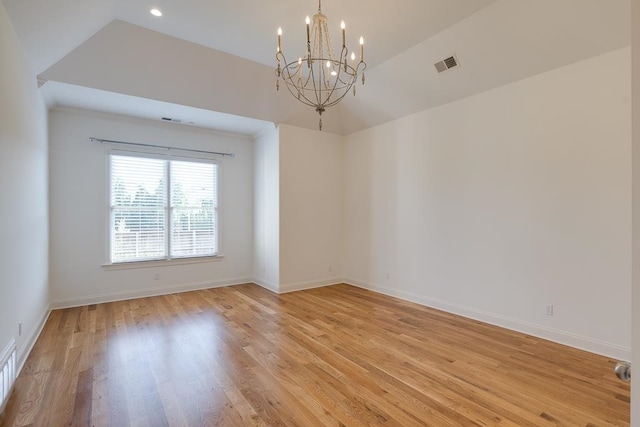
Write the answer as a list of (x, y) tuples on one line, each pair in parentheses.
[(635, 83), (266, 257), (501, 203), (311, 208), (299, 206), (78, 185), (23, 186)]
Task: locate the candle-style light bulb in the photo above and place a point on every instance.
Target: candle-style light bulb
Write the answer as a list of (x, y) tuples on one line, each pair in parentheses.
[(308, 22), (328, 64), (342, 25), (361, 48), (279, 39)]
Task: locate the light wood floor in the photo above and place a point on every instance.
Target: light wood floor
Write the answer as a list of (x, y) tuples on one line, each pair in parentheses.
[(332, 356)]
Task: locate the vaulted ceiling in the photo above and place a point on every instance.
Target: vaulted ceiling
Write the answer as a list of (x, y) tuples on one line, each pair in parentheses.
[(211, 63)]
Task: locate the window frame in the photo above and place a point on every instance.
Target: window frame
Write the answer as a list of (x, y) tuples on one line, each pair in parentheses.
[(168, 209)]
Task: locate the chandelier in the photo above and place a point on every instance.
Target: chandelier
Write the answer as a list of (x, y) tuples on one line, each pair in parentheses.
[(319, 78)]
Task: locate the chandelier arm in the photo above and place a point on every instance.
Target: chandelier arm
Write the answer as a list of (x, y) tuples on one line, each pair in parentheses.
[(331, 90), (346, 85), (344, 67), (326, 90), (299, 93), (312, 76), (288, 75), (336, 100), (280, 56), (288, 80), (306, 82), (302, 98)]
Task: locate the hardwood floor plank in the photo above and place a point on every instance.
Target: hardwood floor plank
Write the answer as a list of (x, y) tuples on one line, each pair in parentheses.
[(333, 356), (83, 402)]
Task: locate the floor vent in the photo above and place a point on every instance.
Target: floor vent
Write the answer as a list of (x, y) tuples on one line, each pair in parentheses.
[(447, 64), (7, 372)]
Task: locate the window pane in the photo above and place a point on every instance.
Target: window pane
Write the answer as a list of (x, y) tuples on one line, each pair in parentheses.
[(137, 208), (194, 205)]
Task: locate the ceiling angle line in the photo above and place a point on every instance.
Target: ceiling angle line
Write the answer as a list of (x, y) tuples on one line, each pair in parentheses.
[(137, 144)]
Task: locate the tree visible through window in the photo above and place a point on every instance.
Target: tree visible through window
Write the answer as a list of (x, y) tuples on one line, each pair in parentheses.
[(162, 208)]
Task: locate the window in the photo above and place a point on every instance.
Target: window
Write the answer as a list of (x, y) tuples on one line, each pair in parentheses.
[(162, 208)]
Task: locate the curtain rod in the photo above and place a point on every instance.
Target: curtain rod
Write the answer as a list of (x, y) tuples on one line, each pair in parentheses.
[(92, 139)]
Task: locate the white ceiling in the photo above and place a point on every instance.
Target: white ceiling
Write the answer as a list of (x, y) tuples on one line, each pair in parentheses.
[(112, 55), (63, 94), (247, 28)]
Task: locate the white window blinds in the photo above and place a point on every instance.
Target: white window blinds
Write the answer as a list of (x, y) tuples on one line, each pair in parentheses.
[(162, 208), (194, 205)]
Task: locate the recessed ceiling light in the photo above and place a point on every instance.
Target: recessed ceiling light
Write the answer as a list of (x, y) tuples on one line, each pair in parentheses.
[(156, 12)]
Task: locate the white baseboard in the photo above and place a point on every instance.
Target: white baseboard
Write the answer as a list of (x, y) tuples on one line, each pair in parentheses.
[(558, 336), (562, 337), (264, 284), (142, 293), (300, 286), (292, 287), (30, 340)]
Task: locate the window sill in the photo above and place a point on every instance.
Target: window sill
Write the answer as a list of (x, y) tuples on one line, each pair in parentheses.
[(161, 262)]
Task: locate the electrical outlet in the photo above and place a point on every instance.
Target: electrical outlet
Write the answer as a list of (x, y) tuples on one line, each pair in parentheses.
[(156, 276), (20, 329), (388, 276), (330, 268), (549, 310)]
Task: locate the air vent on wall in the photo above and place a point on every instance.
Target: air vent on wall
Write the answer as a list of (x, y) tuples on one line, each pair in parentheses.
[(169, 119), (447, 64), (172, 120)]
